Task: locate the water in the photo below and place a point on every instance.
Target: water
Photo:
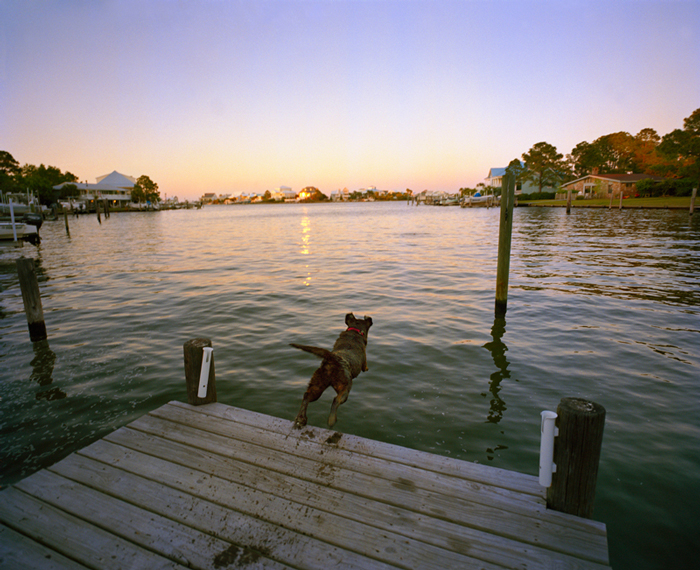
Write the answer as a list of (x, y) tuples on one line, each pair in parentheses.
[(603, 305)]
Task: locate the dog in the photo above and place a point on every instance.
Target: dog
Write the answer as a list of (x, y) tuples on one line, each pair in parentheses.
[(339, 367)]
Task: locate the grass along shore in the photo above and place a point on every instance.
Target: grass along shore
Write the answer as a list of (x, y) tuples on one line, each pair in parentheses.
[(663, 202)]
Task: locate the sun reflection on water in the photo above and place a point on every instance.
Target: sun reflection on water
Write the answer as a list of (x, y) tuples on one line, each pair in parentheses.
[(306, 244)]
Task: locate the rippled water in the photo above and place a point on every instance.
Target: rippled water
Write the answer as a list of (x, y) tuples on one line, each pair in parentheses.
[(603, 305)]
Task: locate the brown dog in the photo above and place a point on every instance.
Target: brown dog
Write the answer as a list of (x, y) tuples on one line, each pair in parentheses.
[(345, 362)]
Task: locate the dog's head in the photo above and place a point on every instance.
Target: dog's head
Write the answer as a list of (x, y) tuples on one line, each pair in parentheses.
[(361, 325)]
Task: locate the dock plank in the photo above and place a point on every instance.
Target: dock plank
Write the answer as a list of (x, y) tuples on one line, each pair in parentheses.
[(22, 553), (218, 487), (368, 493)]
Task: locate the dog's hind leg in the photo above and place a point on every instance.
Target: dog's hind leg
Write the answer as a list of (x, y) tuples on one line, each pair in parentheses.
[(340, 398), (317, 386)]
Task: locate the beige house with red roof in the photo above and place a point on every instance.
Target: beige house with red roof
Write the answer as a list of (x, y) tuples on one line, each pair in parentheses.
[(602, 185)]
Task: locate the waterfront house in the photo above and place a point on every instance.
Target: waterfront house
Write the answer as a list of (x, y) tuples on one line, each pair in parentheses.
[(495, 180), (603, 185), (114, 187)]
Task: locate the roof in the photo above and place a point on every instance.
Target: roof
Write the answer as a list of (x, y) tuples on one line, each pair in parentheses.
[(116, 179), (500, 171)]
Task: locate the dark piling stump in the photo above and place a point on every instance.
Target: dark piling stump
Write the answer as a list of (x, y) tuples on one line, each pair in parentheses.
[(576, 455), (194, 350), (31, 298)]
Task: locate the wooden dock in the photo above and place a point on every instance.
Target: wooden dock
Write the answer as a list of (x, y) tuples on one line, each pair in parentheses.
[(219, 487)]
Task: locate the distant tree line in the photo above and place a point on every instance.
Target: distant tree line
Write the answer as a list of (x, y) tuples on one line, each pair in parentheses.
[(38, 180), (674, 156)]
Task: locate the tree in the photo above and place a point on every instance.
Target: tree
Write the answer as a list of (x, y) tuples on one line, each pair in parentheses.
[(544, 165), (145, 190), (41, 181), (9, 170), (683, 147)]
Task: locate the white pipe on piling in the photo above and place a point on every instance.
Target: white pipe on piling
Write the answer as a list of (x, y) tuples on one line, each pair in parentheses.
[(204, 373), (548, 432)]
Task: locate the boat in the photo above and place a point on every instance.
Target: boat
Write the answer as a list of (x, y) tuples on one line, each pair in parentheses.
[(25, 232), (477, 200)]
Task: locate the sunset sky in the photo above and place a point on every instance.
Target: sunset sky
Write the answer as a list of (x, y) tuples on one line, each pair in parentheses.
[(230, 97)]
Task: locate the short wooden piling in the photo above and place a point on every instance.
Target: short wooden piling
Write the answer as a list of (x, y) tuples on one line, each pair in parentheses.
[(622, 195), (504, 240), (692, 200), (65, 219), (576, 456), (32, 299), (193, 365), (568, 202), (97, 209)]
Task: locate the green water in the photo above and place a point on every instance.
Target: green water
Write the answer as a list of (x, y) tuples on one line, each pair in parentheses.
[(603, 305)]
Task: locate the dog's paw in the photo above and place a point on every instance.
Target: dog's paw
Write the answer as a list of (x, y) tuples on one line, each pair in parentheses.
[(299, 423)]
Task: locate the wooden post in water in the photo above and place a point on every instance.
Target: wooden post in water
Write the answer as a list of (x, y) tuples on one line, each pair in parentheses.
[(622, 194), (65, 219), (568, 202), (97, 209), (32, 299), (504, 235), (193, 366), (692, 200), (576, 455)]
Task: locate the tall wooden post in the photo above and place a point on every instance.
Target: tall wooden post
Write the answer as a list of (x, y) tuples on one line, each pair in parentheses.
[(97, 209), (504, 239), (568, 202), (32, 299), (193, 366), (622, 195), (576, 455), (692, 200)]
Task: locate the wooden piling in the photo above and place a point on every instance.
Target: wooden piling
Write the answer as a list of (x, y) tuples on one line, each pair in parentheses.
[(193, 365), (65, 219), (622, 195), (568, 202), (692, 200), (97, 209), (504, 240), (576, 456), (32, 299)]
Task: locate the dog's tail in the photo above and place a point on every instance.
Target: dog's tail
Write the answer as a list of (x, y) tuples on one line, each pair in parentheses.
[(320, 352)]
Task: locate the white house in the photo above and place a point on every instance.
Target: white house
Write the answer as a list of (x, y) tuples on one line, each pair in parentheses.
[(495, 180), (115, 187)]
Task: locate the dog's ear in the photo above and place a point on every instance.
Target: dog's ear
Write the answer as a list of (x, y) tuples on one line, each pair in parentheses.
[(348, 317), (368, 320)]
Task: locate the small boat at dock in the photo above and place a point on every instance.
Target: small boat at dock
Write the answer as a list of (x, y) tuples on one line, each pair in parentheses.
[(21, 231)]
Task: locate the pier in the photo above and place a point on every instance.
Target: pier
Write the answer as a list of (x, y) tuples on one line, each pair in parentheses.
[(215, 486)]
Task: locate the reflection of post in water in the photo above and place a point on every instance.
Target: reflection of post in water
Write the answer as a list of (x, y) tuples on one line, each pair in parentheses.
[(42, 371), (498, 351)]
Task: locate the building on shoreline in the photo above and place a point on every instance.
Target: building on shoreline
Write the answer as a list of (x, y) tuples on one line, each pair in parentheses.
[(604, 185), (114, 187)]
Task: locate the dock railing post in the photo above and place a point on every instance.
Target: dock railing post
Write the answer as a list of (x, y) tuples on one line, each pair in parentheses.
[(504, 241), (31, 298), (576, 456), (195, 373)]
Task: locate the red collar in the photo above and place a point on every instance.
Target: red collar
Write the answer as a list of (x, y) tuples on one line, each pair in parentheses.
[(356, 330)]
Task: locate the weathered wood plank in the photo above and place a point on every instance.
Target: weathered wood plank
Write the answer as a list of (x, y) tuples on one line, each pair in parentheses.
[(526, 486), (399, 507), (312, 443), (75, 538), (246, 438), (168, 538), (210, 506), (260, 497), (485, 474), (228, 499), (17, 552)]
